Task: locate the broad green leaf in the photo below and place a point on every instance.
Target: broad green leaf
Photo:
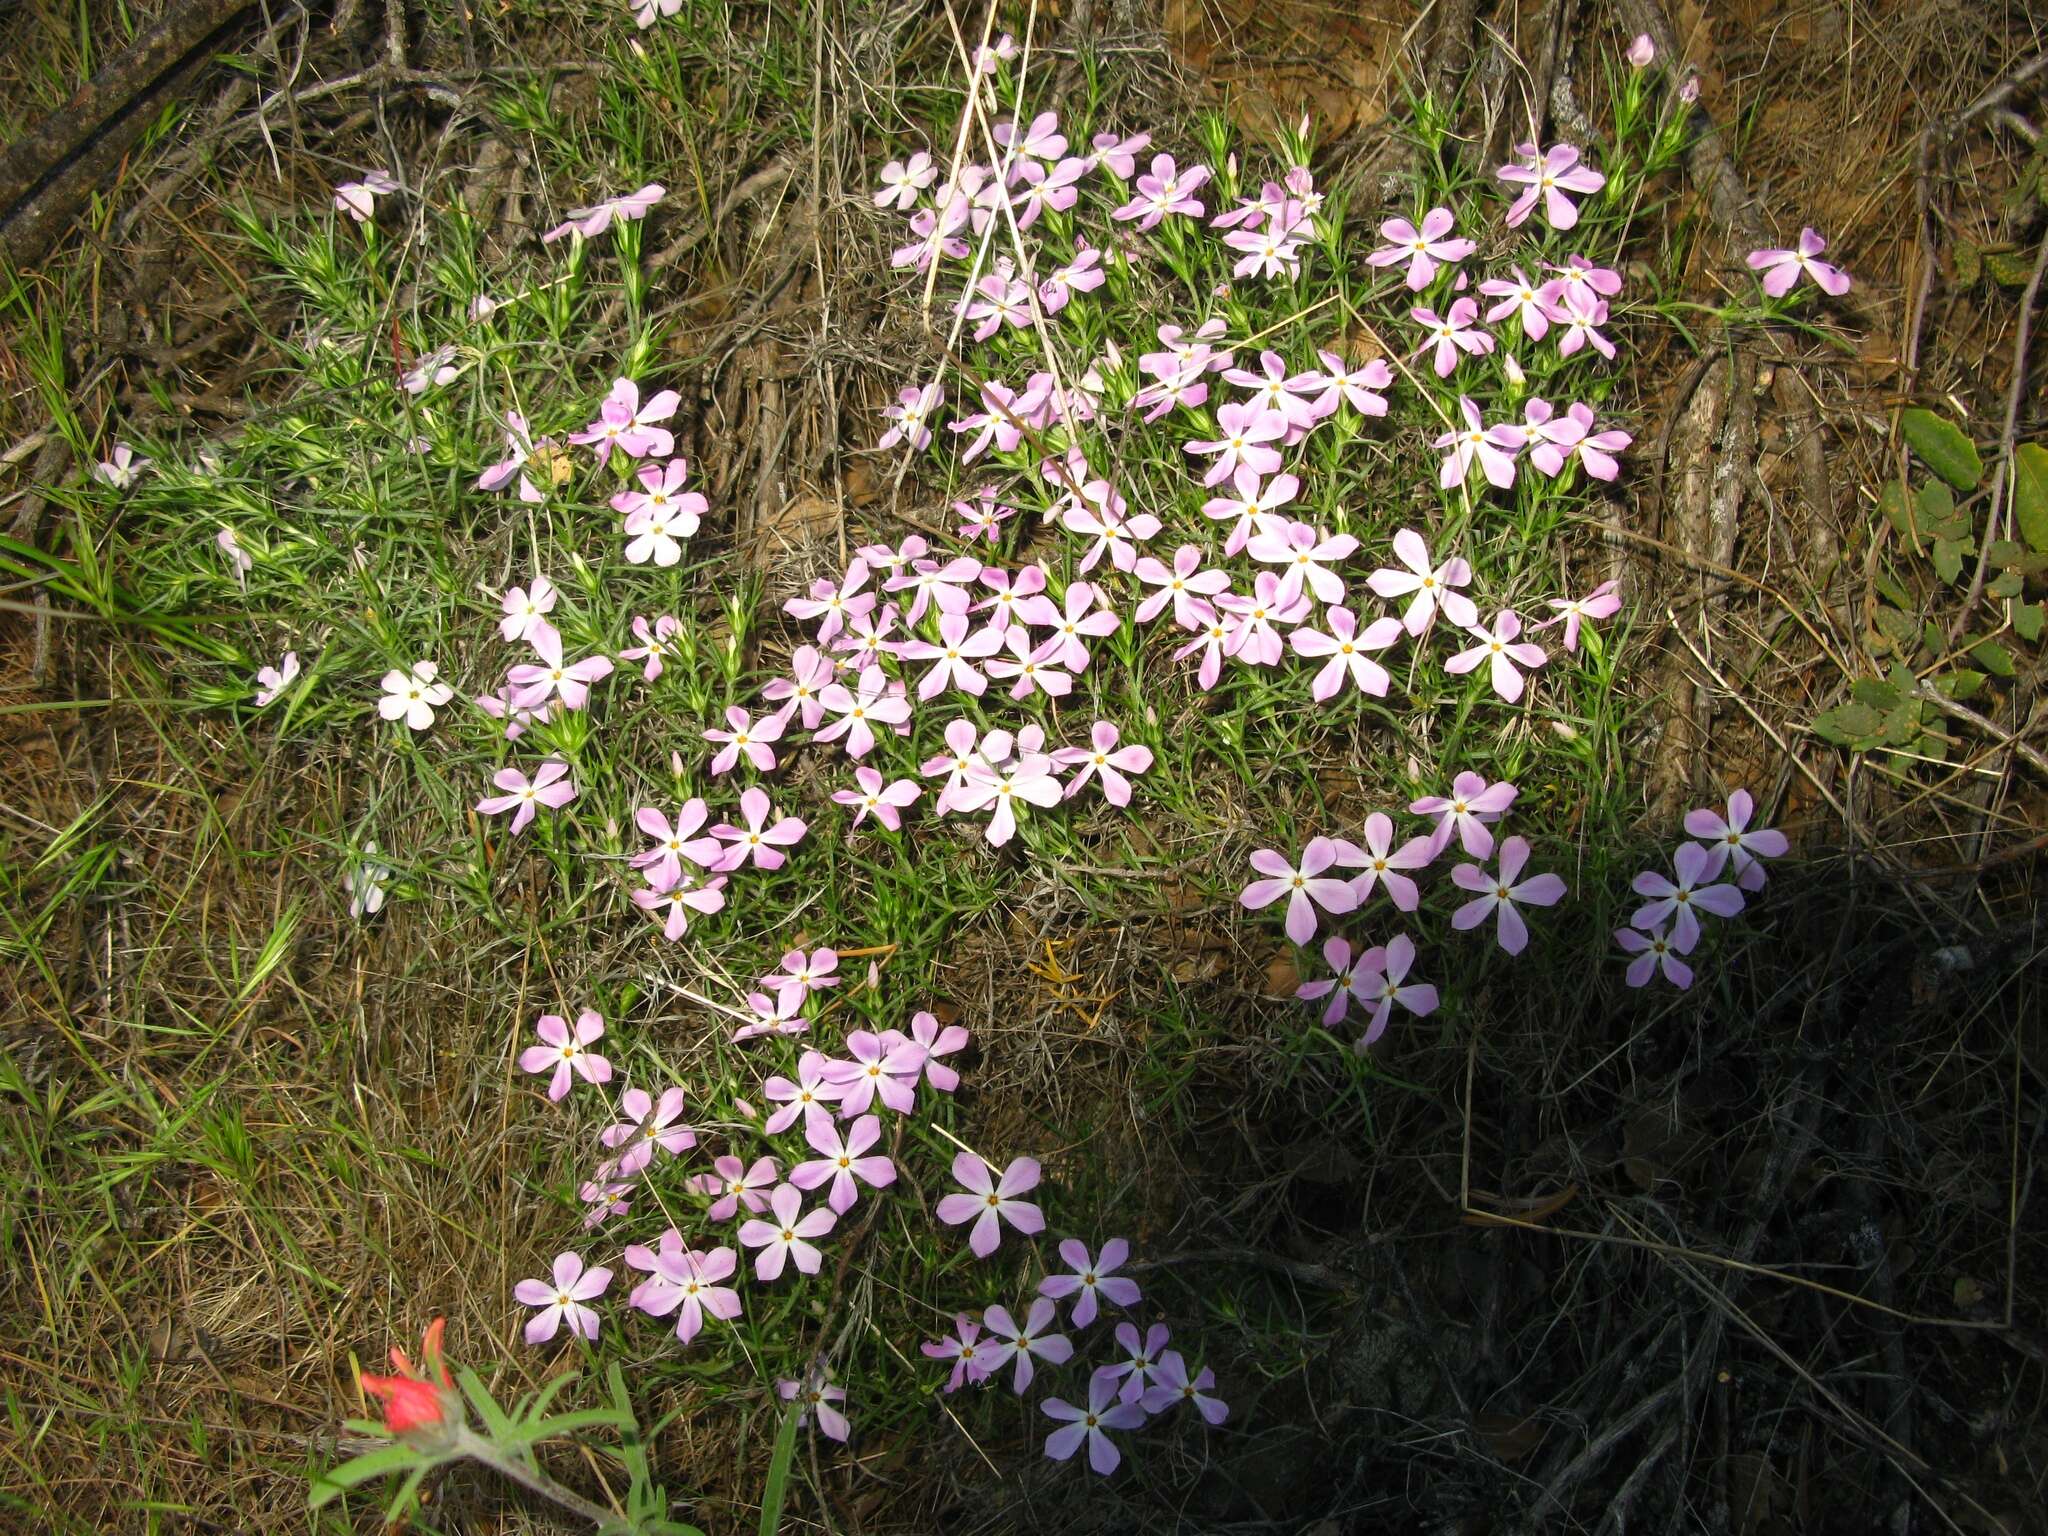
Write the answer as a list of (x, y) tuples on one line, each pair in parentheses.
[(1969, 260), (2027, 621), (1948, 560), (1848, 724), (1993, 658), (1902, 725), (1899, 630), (1894, 594), (2008, 269), (2030, 495), (1942, 448), (1877, 695), (1891, 501), (1962, 685)]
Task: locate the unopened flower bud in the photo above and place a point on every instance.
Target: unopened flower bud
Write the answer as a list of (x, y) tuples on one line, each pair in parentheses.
[(1642, 53), (1690, 91)]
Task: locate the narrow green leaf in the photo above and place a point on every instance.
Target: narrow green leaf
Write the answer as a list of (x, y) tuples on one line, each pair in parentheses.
[(341, 1477), (1942, 447), (776, 1489)]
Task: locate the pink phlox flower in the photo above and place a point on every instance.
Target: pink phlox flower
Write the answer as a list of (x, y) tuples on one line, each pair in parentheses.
[(745, 736), (901, 181), (1575, 276), (937, 233), (1451, 334), (1652, 952), (1276, 388), (761, 840), (809, 1095), (554, 678), (648, 1123), (1729, 840), (983, 516), (526, 609), (647, 1261), (1186, 387), (841, 1161), (1091, 1280), (962, 1347), (1012, 591), (1301, 550), (1384, 982), (1029, 667), (1213, 634), (1090, 1426), (885, 802), (1251, 212), (1679, 902), (1499, 648), (1521, 299), (519, 447), (358, 199), (1133, 1372), (413, 695), (961, 759), (885, 1067), (1548, 175), (271, 682), (944, 582), (864, 640), (1074, 617), (1782, 269), (1118, 537), (1361, 388), (999, 299), (990, 1201), (936, 1041), (517, 717), (1001, 421), (597, 218), (1002, 790), (689, 1286), (1344, 984), (1119, 154), (1053, 187), (860, 709), (1603, 602), (1503, 892), (662, 863), (1424, 249), (1583, 314), (1274, 251), (1596, 450), (1166, 189), (1105, 761), (1247, 431), (816, 1395), (1171, 1384), (122, 467), (1253, 636), (1433, 586), (629, 426), (1253, 509), (1184, 349), (1381, 863), (736, 1185), (1346, 647), (1465, 811), (1027, 1345), (660, 514), (562, 1299), (1552, 437), (564, 1052), (606, 1201), (433, 370), (1305, 887), (1493, 447), (522, 796), (785, 1236), (801, 975), (1183, 585), (911, 416), (953, 656), (1041, 138), (798, 693), (1083, 274), (832, 604)]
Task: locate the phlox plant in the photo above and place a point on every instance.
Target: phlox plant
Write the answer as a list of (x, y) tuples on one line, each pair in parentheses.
[(1244, 478)]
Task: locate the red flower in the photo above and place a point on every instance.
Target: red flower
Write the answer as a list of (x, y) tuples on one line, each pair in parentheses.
[(413, 1401)]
